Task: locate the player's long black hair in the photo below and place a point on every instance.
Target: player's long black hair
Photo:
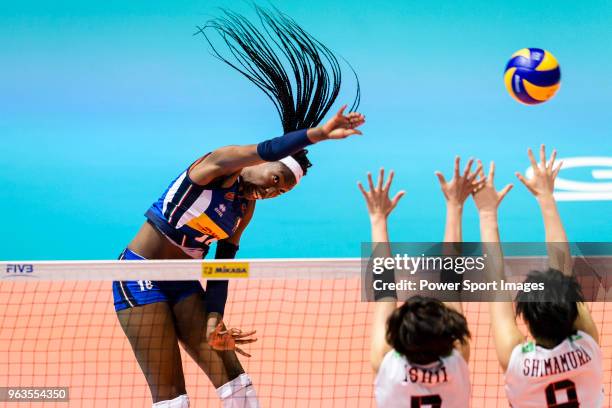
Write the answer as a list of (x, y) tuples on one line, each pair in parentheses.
[(550, 316), (424, 329), (299, 74)]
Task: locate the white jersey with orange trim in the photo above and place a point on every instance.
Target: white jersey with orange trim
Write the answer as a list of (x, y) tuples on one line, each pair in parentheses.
[(443, 384), (569, 375)]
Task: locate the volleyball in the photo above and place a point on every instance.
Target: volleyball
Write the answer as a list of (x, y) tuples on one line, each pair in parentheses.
[(532, 76)]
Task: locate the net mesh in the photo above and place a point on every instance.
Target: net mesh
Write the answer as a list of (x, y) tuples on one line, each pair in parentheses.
[(313, 347)]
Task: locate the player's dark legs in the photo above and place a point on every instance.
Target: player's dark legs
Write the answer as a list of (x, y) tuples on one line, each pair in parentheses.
[(150, 330), (190, 317)]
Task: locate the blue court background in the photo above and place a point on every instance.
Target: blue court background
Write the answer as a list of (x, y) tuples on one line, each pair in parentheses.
[(103, 103)]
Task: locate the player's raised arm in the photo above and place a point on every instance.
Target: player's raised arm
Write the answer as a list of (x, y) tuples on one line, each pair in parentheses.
[(379, 207), (456, 191), (230, 159), (542, 185), (506, 333)]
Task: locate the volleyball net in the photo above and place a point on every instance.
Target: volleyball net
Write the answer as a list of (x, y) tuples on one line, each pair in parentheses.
[(58, 328)]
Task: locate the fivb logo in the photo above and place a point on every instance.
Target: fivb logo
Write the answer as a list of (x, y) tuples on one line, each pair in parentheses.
[(19, 270), (583, 190)]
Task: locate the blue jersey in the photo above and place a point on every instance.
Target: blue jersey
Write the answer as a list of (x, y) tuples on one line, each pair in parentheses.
[(128, 294), (193, 216)]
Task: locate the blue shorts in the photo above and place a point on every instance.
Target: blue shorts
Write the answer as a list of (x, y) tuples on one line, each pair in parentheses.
[(143, 292)]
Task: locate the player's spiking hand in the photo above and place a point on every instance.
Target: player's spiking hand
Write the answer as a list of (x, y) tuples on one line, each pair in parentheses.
[(222, 339), (377, 199), (542, 183), (459, 188), (340, 126)]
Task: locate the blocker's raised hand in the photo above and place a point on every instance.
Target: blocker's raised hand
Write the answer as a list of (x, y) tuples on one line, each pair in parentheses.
[(544, 173), (377, 199), (486, 197), (461, 185)]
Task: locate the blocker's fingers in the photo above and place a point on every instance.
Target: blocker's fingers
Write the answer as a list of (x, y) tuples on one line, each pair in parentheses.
[(491, 172), (456, 170), (532, 159), (389, 181), (521, 178), (551, 162), (370, 182), (240, 351), (381, 176), (441, 178), (556, 170), (481, 173), (468, 167), (476, 189), (478, 184), (363, 191), (478, 170), (505, 191), (396, 199), (543, 156)]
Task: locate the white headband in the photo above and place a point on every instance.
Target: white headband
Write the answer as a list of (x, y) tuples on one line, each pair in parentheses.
[(294, 166)]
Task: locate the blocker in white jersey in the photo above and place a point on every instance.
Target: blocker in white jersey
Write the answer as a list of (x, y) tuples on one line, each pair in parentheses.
[(567, 376), (442, 384)]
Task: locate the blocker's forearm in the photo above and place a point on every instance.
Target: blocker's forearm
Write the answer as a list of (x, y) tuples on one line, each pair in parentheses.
[(452, 229), (559, 256)]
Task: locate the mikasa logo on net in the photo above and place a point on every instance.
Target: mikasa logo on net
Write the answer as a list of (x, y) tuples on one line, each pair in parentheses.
[(598, 188)]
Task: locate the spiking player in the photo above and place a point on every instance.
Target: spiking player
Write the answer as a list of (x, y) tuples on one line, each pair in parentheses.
[(562, 366), (421, 349), (214, 199)]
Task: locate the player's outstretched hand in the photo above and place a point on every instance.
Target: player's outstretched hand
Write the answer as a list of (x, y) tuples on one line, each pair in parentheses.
[(222, 339), (544, 174), (377, 199), (487, 199), (341, 126), (459, 188)]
